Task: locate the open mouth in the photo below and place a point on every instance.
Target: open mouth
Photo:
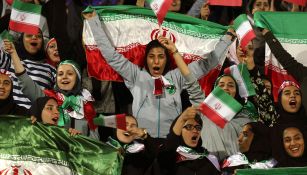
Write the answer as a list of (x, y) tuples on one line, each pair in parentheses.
[(292, 103), (127, 134), (33, 44), (65, 82), (194, 138), (55, 119)]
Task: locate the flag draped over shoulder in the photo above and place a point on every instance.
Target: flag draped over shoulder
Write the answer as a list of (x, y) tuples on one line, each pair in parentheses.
[(291, 31), (131, 28), (50, 150), (220, 107), (25, 17)]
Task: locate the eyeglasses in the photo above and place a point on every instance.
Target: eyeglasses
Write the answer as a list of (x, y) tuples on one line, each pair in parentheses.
[(190, 127)]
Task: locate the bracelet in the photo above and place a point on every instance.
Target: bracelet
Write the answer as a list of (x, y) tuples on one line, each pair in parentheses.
[(144, 135), (176, 51), (232, 35)]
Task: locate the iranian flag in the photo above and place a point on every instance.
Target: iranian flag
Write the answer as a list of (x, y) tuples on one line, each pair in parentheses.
[(244, 30), (25, 17), (226, 2), (194, 38), (160, 8), (291, 31), (37, 149), (298, 2), (220, 107), (112, 121), (242, 77)]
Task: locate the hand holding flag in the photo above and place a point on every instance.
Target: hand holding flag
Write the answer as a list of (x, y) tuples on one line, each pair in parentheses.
[(244, 30), (160, 8)]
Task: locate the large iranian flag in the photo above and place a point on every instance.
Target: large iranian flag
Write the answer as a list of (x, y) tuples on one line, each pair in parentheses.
[(291, 31), (37, 149), (131, 28), (25, 17)]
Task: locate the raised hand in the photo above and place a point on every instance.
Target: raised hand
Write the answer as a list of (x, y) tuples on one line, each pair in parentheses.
[(9, 47), (168, 44)]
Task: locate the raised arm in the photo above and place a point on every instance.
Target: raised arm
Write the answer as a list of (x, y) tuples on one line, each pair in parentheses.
[(29, 87), (117, 61), (203, 66), (298, 70)]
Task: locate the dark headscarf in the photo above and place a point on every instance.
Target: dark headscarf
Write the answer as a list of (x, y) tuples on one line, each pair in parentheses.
[(280, 154), (24, 54), (38, 106), (260, 148), (8, 106), (250, 5), (286, 117), (155, 44), (199, 147), (78, 87)]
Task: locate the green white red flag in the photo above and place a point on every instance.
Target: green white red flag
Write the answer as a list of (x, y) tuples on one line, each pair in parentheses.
[(37, 149), (291, 31), (160, 8), (244, 30), (242, 77), (220, 107), (25, 17), (194, 38), (112, 121)]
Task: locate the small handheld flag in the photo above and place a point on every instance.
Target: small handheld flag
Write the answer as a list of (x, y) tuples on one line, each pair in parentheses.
[(244, 30), (220, 107), (160, 8), (112, 121)]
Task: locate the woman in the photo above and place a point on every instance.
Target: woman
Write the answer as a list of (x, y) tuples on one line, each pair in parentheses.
[(154, 112), (183, 152), (137, 146), (7, 103), (29, 48), (295, 68), (52, 53), (289, 147), (255, 149), (76, 108), (45, 110)]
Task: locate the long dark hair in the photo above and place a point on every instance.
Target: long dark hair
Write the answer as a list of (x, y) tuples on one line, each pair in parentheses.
[(156, 44)]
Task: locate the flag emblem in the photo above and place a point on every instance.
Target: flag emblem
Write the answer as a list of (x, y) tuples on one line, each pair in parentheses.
[(165, 33), (15, 169), (217, 106)]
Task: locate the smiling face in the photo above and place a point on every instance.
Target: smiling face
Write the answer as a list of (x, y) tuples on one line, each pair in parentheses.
[(52, 52), (33, 43), (126, 136), (66, 77), (228, 85), (291, 99), (5, 86), (156, 61), (293, 142), (50, 113), (191, 133), (245, 138)]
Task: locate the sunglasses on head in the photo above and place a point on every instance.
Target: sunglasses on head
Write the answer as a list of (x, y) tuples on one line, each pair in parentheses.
[(190, 127)]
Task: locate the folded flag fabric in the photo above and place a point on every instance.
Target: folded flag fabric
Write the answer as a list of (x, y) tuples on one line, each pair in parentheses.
[(226, 2), (242, 77), (220, 107), (160, 8), (293, 40), (39, 149), (25, 17), (244, 30), (140, 28), (112, 121)]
